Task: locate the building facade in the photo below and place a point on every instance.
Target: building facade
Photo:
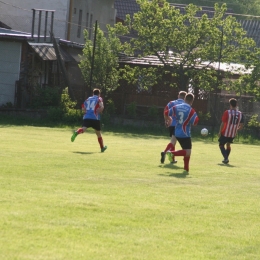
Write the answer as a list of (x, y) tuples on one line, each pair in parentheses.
[(71, 17)]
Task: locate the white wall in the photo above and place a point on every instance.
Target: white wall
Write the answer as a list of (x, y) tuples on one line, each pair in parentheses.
[(18, 15), (10, 58), (92, 10)]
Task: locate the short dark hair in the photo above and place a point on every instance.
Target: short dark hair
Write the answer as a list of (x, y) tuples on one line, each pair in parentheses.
[(96, 91), (233, 102), (189, 97)]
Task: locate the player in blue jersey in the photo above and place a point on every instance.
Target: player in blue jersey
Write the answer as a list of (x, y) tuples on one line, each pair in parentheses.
[(171, 145), (186, 116), (92, 108)]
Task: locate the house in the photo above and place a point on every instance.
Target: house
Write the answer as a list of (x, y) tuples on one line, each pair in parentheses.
[(71, 16), (158, 95), (27, 62), (27, 31)]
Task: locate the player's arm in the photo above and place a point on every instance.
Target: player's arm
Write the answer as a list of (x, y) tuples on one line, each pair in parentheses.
[(83, 108), (101, 107), (220, 128), (167, 118), (241, 124), (196, 121)]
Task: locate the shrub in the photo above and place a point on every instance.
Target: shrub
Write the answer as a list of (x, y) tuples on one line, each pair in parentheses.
[(131, 109)]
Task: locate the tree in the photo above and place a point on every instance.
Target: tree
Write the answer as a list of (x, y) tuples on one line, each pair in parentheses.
[(250, 7), (104, 72), (189, 47)]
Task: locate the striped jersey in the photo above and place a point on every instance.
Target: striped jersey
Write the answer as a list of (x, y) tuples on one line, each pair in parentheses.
[(92, 104), (231, 119), (172, 104), (185, 116)]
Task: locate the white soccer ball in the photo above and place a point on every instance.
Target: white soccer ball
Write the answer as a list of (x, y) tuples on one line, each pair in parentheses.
[(204, 132)]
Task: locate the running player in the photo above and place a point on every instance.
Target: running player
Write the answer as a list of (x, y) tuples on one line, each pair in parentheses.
[(92, 108), (186, 116)]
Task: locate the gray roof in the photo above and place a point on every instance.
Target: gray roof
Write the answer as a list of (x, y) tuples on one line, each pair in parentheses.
[(46, 51), (130, 7)]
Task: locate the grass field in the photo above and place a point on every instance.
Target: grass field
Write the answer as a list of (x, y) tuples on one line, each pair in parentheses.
[(63, 200)]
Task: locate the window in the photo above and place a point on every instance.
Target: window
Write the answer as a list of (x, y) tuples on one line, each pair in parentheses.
[(90, 26), (79, 24)]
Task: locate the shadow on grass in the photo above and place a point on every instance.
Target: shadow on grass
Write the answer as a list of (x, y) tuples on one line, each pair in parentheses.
[(83, 152), (226, 165), (182, 174)]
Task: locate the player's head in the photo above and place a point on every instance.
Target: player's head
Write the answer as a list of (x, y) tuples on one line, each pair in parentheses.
[(233, 102), (96, 91), (182, 94), (189, 98)]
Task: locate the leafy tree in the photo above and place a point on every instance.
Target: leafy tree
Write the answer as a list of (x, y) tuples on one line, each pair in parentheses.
[(189, 48), (105, 72), (250, 7)]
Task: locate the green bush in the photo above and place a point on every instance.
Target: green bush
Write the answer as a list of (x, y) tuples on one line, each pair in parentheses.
[(131, 109), (43, 97), (153, 112)]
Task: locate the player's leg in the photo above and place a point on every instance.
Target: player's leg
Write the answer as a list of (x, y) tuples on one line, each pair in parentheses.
[(170, 146), (80, 130), (97, 127), (100, 141), (222, 142), (228, 149)]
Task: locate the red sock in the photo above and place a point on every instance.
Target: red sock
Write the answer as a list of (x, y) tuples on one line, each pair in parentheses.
[(186, 163), (80, 131), (100, 140), (169, 147), (179, 153)]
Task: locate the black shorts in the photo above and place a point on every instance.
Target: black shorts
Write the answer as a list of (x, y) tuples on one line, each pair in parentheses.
[(95, 124), (185, 142), (223, 140), (171, 130)]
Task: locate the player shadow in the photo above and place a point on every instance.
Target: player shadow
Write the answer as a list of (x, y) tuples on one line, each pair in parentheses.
[(83, 152), (226, 165), (182, 174)]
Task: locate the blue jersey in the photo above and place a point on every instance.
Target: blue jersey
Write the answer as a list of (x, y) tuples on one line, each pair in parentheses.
[(91, 105), (185, 116), (172, 104)]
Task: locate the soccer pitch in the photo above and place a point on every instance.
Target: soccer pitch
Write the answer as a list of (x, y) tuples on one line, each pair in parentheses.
[(63, 200)]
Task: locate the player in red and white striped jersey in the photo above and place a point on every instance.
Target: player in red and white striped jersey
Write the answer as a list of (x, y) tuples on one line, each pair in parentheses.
[(232, 121)]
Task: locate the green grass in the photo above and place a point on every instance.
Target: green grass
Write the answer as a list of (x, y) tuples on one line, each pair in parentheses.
[(63, 200)]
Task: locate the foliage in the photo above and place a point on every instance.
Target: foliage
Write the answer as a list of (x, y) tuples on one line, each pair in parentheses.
[(189, 48), (204, 116), (7, 105), (131, 109), (105, 72), (254, 122), (66, 111), (153, 112), (250, 7), (43, 97)]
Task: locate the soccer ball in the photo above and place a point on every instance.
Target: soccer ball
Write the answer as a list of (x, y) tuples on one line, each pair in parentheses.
[(204, 132)]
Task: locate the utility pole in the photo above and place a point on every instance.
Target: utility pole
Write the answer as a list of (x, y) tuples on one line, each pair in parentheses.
[(93, 56)]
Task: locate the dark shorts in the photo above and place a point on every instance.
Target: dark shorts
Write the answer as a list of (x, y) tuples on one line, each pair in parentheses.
[(185, 143), (223, 140), (95, 124), (172, 130)]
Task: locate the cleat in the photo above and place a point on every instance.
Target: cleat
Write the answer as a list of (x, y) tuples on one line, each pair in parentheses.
[(174, 161), (74, 136), (225, 161), (103, 149), (162, 157), (169, 154)]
